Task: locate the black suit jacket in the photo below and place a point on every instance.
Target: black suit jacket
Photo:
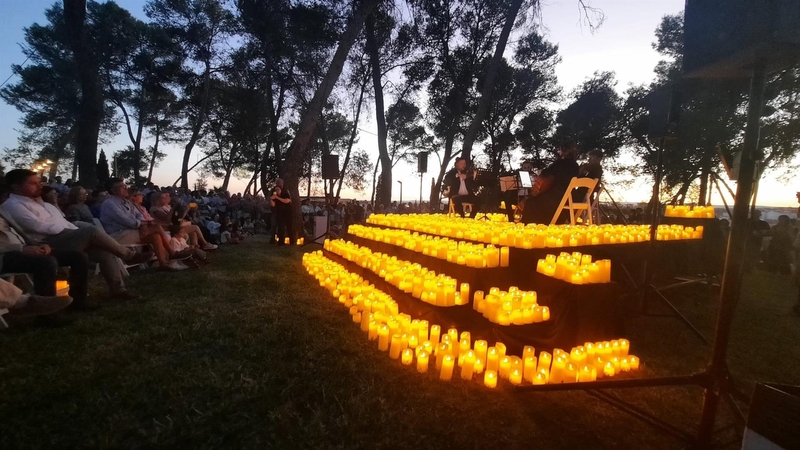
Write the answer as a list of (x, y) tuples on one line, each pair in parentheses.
[(454, 183)]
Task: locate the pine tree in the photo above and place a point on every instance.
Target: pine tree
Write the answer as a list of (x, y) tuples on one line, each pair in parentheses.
[(102, 168)]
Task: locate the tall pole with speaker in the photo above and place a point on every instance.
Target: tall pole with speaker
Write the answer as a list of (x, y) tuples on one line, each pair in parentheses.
[(422, 169), (330, 171)]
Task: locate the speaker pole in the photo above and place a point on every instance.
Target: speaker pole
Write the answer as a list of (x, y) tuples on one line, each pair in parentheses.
[(717, 370)]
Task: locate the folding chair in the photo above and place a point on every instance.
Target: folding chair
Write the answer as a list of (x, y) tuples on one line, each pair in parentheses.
[(452, 208), (568, 203), (10, 278)]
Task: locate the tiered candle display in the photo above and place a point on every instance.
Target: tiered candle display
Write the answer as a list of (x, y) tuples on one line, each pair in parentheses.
[(697, 212), (421, 283), (512, 307), (409, 340), (460, 252), (506, 234), (575, 268)]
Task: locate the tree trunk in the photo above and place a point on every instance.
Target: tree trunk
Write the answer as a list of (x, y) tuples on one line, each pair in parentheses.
[(308, 124), (491, 76), (350, 142), (448, 154), (155, 153), (90, 113), (196, 127), (385, 194)]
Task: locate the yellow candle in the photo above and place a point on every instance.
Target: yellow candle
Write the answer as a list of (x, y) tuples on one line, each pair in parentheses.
[(625, 364), (408, 357), (609, 370), (396, 346), (624, 347), (545, 359), (501, 348), (446, 372), (505, 367), (478, 299), (441, 352), (465, 292), (504, 257), (480, 349), (490, 379), (413, 341), (492, 359), (453, 333), (478, 367), (634, 362), (539, 379), (422, 361), (468, 367), (529, 368), (383, 338), (585, 374), (515, 377), (435, 332)]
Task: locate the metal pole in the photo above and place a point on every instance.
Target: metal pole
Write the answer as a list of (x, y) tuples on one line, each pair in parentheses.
[(420, 189), (737, 242), (401, 192)]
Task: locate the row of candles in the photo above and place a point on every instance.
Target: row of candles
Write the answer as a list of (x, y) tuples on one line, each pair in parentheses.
[(460, 252), (413, 342), (421, 283), (698, 212), (512, 307), (507, 234), (575, 268)]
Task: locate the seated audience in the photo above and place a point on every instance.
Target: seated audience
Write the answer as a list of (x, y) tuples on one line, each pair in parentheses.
[(45, 224), (180, 246), (136, 198), (98, 197), (50, 195), (123, 222), (77, 211), (214, 226), (166, 216)]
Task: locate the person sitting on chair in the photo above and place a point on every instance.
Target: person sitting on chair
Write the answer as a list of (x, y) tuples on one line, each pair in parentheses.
[(590, 169), (462, 188), (43, 223), (550, 186), (123, 222)]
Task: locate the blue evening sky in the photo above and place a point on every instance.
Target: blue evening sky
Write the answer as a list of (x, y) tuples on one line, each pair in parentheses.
[(622, 44)]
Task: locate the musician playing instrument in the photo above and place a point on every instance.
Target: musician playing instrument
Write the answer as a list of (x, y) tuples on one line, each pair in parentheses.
[(514, 197), (590, 169), (550, 185), (462, 187)]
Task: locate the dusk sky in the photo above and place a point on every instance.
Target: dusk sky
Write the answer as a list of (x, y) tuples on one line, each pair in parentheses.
[(622, 45)]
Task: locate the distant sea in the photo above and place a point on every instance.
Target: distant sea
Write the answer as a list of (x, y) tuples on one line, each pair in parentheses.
[(768, 213)]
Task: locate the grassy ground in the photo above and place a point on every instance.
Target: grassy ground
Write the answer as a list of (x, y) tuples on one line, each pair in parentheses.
[(250, 352)]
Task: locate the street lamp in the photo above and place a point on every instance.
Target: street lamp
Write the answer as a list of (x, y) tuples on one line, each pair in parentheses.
[(401, 191)]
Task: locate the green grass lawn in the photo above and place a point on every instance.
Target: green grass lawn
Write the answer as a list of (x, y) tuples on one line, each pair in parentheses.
[(250, 352)]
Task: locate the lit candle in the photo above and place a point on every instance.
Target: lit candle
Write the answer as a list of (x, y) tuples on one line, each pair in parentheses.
[(490, 379), (515, 377), (441, 352), (446, 372), (624, 347), (505, 367), (539, 379), (465, 292), (480, 349), (492, 359), (413, 340), (609, 369), (422, 330), (625, 364), (373, 330), (422, 361), (478, 299), (634, 362), (396, 346), (468, 366), (383, 338), (585, 374), (478, 367), (435, 332), (545, 359), (529, 368), (504, 257), (408, 357), (527, 351)]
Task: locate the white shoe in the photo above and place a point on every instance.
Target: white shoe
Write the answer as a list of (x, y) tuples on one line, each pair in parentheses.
[(209, 246), (177, 265)]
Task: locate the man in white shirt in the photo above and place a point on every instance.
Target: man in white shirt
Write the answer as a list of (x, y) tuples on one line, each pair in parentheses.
[(46, 224)]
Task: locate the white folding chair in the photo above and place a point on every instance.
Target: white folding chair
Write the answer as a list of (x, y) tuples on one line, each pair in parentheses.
[(572, 206), (10, 278)]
